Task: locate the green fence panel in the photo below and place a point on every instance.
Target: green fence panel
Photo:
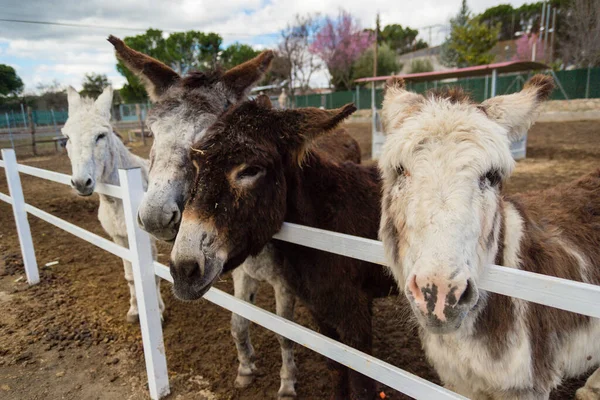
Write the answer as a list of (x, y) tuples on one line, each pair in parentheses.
[(574, 83)]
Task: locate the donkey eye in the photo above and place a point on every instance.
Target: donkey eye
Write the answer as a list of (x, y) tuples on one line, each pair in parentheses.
[(492, 177), (100, 136), (249, 172)]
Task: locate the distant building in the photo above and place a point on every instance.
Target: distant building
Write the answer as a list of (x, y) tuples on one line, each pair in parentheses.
[(431, 53)]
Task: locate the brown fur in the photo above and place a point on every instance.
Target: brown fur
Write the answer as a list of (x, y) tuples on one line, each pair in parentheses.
[(395, 82), (569, 213), (243, 75), (453, 94), (544, 85), (342, 197)]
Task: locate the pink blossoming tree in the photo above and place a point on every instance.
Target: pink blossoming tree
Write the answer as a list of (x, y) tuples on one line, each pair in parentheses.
[(340, 42), (525, 48)]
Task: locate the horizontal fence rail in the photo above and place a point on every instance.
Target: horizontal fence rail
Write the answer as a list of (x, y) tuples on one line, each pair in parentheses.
[(103, 188), (381, 371), (555, 292), (559, 293)]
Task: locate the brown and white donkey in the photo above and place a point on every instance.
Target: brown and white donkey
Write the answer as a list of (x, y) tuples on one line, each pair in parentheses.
[(445, 218)]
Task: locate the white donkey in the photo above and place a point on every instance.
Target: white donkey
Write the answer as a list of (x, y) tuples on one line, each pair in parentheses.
[(96, 154)]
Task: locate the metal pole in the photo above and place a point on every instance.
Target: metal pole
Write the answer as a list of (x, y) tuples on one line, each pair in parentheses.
[(12, 143), (560, 86), (32, 125), (18, 202), (357, 97), (485, 88), (553, 34), (546, 31), (541, 35), (587, 82), (54, 121), (145, 285), (494, 78), (23, 114)]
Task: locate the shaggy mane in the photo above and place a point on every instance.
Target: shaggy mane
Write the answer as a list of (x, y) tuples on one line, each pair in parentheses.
[(453, 94), (196, 79)]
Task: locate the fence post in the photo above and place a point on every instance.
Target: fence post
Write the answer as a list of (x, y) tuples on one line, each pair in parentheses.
[(18, 202), (145, 285), (23, 115), (10, 136), (32, 124), (54, 121)]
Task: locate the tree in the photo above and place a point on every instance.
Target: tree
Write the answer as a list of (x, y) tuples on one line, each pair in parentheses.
[(186, 51), (93, 85), (525, 46), (340, 43), (236, 54), (506, 16), (402, 40), (469, 42), (51, 96), (10, 83), (421, 65), (294, 46), (473, 42), (580, 45), (386, 63), (448, 55), (182, 51)]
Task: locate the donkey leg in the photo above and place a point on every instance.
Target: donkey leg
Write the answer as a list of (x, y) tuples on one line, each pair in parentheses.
[(337, 372), (285, 301), (161, 303), (356, 331), (133, 315), (591, 390), (244, 287)]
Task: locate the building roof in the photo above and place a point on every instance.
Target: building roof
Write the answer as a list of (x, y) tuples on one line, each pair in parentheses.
[(479, 70)]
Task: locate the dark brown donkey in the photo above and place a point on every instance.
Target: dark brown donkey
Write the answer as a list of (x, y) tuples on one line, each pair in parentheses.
[(184, 107), (254, 174)]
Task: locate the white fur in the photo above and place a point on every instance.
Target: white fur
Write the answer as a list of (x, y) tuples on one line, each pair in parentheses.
[(100, 160), (444, 218)]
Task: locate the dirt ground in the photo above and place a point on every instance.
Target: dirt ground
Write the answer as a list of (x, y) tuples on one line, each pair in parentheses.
[(67, 338)]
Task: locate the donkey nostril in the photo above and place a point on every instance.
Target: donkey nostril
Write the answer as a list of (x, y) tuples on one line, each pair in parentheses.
[(467, 296), (72, 183), (88, 182), (192, 270), (174, 217)]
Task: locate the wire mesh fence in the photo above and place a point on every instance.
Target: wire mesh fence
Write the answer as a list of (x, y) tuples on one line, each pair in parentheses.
[(578, 84)]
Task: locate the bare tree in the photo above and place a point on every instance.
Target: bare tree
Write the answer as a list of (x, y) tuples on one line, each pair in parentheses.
[(294, 49), (580, 45)]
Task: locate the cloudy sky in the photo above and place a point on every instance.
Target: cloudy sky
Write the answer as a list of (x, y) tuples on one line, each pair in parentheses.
[(42, 53)]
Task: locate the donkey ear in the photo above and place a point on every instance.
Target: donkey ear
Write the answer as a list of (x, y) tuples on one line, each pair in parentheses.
[(305, 124), (241, 78), (517, 112), (74, 99), (311, 122), (156, 76), (104, 102), (398, 104)]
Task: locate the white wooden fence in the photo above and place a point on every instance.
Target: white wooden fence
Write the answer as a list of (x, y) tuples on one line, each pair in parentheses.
[(560, 293)]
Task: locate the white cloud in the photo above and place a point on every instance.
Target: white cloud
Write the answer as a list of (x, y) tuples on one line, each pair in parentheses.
[(42, 53)]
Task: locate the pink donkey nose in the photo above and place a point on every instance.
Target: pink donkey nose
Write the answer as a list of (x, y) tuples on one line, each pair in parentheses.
[(433, 295)]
